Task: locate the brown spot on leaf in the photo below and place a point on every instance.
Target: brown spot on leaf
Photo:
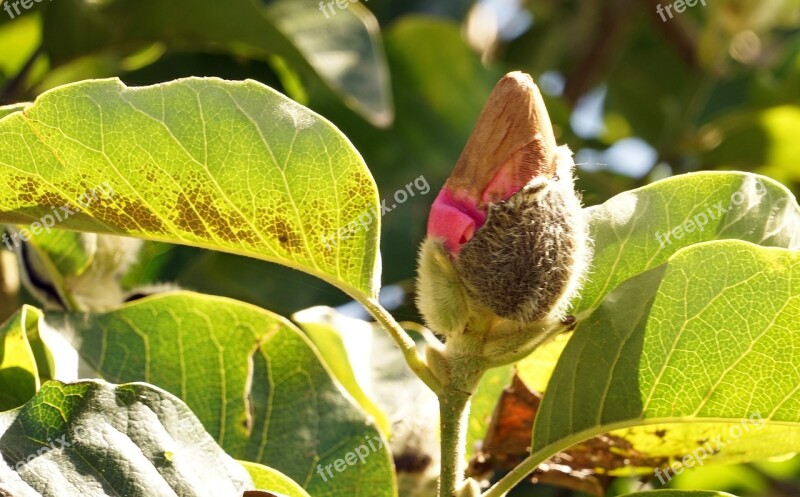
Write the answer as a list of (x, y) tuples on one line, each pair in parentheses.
[(131, 215), (187, 218), (51, 199), (199, 211), (282, 230), (26, 188)]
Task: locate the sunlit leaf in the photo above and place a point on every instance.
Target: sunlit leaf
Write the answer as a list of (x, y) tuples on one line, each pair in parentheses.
[(640, 229), (233, 166), (692, 341)]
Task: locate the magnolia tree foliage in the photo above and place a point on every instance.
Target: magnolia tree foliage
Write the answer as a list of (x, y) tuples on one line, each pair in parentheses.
[(562, 338)]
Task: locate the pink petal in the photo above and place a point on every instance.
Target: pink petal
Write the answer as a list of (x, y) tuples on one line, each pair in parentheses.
[(453, 220)]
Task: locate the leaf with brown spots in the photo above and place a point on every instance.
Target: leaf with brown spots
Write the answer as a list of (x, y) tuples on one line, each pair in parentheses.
[(223, 165)]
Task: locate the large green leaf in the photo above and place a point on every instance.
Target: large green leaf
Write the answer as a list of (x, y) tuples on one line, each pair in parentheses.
[(233, 166), (709, 338), (640, 229), (629, 234), (343, 51), (255, 382), (604, 356), (93, 438)]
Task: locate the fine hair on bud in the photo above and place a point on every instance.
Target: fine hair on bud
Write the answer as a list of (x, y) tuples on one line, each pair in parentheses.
[(440, 295), (526, 262)]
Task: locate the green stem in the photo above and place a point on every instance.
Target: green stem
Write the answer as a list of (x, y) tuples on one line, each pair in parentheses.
[(453, 414), (406, 344)]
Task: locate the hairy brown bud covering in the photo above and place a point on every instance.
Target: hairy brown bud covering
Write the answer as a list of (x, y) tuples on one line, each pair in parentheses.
[(526, 260)]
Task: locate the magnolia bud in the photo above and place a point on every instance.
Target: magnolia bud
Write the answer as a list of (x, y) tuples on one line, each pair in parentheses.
[(525, 261), (506, 236)]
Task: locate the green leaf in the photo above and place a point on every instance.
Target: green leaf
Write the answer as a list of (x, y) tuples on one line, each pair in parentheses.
[(231, 166), (625, 231), (638, 230), (330, 333), (19, 376), (343, 53), (91, 437), (49, 259), (346, 50), (250, 376), (709, 339), (537, 369), (272, 480)]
